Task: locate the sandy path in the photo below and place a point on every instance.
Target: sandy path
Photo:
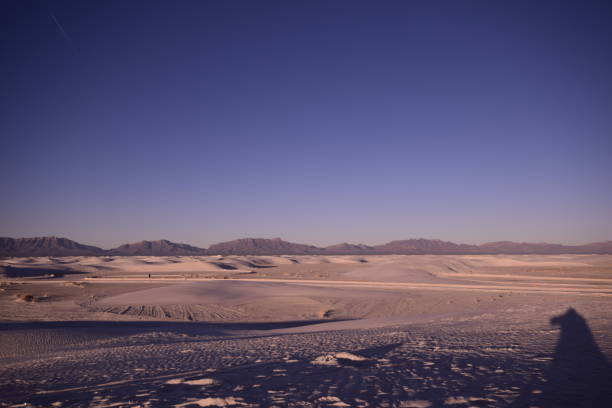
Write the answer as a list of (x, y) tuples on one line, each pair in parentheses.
[(531, 288), (527, 277)]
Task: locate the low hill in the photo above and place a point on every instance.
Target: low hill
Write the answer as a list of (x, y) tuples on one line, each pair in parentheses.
[(346, 249), (595, 248), (46, 246), (162, 247), (262, 246), (424, 246)]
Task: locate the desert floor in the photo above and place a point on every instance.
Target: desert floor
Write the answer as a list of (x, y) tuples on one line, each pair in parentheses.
[(307, 331)]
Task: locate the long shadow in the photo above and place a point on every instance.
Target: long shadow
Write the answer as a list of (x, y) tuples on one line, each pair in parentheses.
[(12, 272), (189, 328), (579, 375), (82, 334)]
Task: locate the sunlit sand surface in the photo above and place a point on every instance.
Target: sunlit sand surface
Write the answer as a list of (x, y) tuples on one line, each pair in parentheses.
[(307, 331)]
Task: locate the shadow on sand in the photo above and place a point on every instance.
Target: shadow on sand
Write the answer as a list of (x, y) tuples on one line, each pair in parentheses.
[(11, 272), (399, 373), (579, 375), (118, 328)]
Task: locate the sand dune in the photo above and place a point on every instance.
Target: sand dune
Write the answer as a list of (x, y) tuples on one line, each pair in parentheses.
[(308, 331), (249, 301), (433, 264), (168, 264), (224, 292)]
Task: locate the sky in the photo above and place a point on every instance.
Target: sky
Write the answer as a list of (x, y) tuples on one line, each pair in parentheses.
[(315, 121)]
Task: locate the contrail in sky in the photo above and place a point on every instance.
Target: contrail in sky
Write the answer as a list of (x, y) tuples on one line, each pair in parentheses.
[(64, 33)]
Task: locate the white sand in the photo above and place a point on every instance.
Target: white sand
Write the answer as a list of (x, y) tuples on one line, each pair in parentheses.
[(420, 331)]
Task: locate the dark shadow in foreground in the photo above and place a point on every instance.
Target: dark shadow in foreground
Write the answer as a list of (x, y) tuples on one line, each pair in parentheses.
[(409, 367), (579, 375)]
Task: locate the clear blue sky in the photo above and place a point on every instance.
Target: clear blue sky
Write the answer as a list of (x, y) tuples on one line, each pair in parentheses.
[(315, 121)]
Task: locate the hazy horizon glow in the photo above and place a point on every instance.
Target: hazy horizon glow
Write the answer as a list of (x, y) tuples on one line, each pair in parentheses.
[(318, 122)]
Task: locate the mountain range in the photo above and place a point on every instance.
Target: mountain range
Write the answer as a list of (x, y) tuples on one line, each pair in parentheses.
[(54, 246)]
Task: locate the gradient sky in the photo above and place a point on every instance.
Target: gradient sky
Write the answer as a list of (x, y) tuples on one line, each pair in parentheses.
[(315, 121)]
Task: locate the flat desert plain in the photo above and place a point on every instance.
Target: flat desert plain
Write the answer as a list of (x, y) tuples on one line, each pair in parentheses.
[(306, 331)]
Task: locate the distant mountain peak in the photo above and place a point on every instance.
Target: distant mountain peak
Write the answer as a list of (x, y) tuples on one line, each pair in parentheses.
[(161, 247), (261, 246), (46, 246), (347, 248)]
